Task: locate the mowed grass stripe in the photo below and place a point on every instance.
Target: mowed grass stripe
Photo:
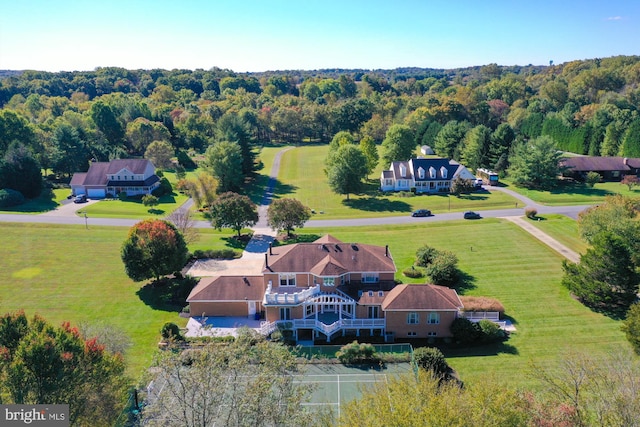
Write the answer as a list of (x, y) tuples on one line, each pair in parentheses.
[(302, 177), (67, 273), (524, 274)]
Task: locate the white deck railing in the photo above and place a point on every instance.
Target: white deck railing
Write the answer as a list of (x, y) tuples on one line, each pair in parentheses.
[(476, 316), (268, 327), (287, 298)]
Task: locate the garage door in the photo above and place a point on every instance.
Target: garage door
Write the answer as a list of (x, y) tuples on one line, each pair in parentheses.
[(96, 193)]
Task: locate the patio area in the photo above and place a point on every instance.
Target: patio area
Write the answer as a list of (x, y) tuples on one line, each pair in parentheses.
[(219, 326)]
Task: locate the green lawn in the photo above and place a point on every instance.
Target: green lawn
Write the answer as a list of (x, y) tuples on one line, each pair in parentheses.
[(133, 208), (563, 229), (302, 177), (504, 262), (575, 194), (70, 273)]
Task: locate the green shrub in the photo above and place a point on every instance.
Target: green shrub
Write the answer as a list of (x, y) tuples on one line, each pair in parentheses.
[(444, 269), (215, 254), (531, 213), (490, 331), (122, 195), (355, 353), (413, 272), (425, 255), (431, 359), (465, 331), (150, 200), (631, 326), (171, 331), (592, 179), (9, 197)]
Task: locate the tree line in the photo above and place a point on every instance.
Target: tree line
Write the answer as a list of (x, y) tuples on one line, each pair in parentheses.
[(475, 115)]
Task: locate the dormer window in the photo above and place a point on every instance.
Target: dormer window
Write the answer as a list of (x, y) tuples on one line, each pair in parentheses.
[(421, 173), (432, 172), (443, 172), (403, 171), (370, 293)]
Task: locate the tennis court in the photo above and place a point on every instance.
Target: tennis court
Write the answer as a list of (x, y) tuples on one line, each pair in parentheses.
[(334, 384)]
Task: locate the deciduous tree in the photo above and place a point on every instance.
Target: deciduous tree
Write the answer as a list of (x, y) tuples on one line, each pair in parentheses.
[(347, 171), (43, 363), (370, 151), (631, 326), (399, 144), (249, 382), (231, 210), (224, 161), (287, 214), (20, 171), (160, 154), (153, 248)]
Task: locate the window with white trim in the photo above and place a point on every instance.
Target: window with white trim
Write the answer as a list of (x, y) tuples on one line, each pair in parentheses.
[(287, 279), (412, 318), (432, 172), (434, 318), (309, 310), (411, 334), (329, 281), (370, 278), (443, 172)]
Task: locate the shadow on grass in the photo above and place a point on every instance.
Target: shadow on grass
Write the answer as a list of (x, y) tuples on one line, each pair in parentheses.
[(466, 283), (45, 203), (156, 211), (376, 204), (167, 294), (236, 242), (492, 349)]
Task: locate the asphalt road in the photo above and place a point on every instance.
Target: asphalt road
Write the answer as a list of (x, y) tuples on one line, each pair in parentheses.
[(71, 218)]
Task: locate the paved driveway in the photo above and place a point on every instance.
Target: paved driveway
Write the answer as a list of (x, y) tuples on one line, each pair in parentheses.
[(68, 208)]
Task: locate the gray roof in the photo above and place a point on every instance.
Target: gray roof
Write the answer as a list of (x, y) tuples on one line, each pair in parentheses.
[(599, 164), (136, 166), (437, 164)]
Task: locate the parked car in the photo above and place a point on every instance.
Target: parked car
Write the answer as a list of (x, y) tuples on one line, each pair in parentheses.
[(80, 198), (472, 215), (421, 212)]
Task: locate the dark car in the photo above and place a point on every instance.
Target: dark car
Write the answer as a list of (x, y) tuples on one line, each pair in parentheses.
[(472, 215), (421, 212), (80, 198)]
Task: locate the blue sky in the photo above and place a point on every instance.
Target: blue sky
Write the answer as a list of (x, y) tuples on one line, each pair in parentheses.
[(254, 35)]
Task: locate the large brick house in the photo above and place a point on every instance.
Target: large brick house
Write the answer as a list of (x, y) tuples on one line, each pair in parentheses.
[(432, 175), (131, 176), (320, 289)]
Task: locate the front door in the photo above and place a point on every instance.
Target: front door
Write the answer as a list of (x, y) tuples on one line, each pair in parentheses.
[(252, 308)]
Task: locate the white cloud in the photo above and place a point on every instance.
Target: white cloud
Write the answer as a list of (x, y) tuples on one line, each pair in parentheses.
[(614, 18)]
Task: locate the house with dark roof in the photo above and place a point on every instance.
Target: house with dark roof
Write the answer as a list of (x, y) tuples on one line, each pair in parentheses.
[(609, 168), (433, 175), (327, 287), (131, 176)]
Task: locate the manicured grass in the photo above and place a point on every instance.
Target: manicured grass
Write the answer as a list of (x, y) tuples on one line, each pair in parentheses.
[(575, 193), (68, 273), (133, 208), (563, 229), (503, 262), (302, 177), (265, 156)]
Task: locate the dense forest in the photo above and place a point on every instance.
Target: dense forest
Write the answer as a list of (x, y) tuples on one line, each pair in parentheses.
[(475, 115)]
